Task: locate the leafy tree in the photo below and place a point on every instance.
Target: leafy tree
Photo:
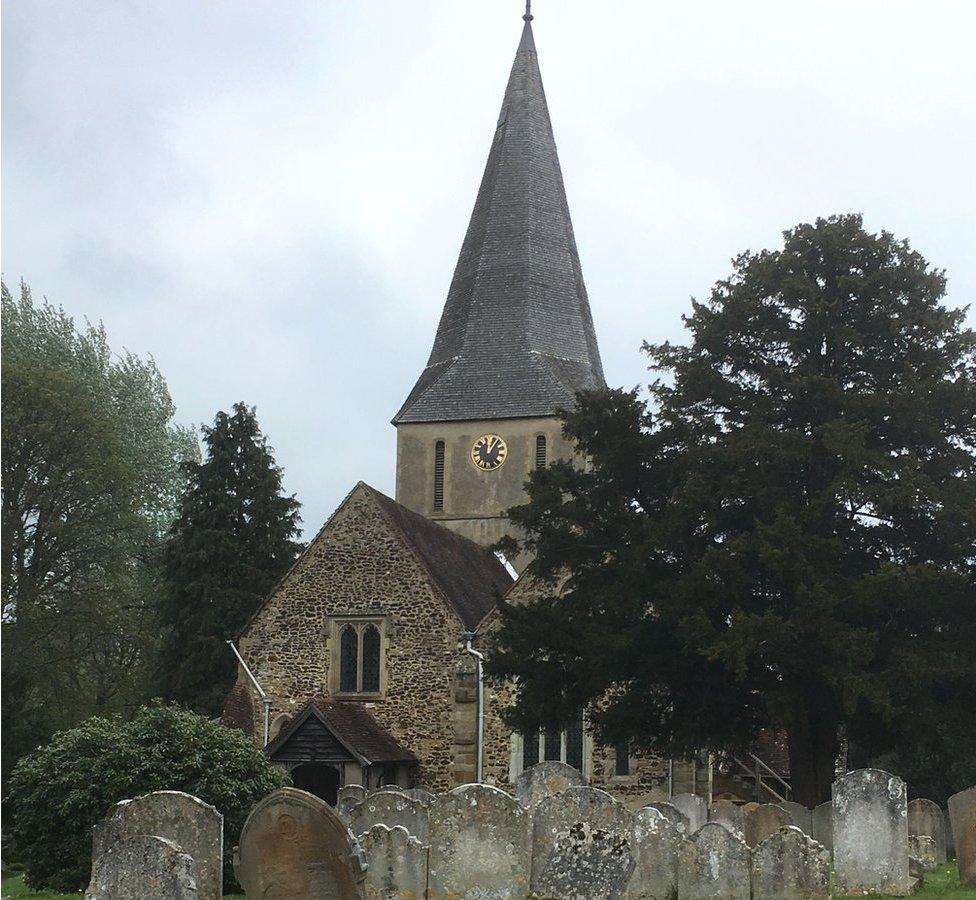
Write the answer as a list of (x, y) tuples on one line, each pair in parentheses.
[(785, 538), (233, 539), (91, 474), (58, 792)]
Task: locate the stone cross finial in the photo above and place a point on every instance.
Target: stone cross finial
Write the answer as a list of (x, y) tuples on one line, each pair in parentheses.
[(528, 11)]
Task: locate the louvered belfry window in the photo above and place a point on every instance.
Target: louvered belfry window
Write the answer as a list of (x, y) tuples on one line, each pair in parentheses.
[(540, 451), (439, 475), (349, 659)]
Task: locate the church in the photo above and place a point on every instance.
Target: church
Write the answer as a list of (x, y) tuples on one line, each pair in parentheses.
[(362, 666)]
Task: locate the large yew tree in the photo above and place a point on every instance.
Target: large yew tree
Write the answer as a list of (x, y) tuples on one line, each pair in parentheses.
[(784, 536)]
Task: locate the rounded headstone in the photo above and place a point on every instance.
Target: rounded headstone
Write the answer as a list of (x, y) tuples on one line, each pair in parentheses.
[(962, 816), (801, 816), (396, 864), (789, 865), (714, 863), (586, 863), (925, 819), (350, 796), (544, 780), (655, 842), (763, 820), (674, 815), (391, 808), (727, 813), (694, 807), (143, 865)]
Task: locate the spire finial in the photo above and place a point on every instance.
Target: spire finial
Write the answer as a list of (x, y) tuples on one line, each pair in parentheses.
[(528, 11)]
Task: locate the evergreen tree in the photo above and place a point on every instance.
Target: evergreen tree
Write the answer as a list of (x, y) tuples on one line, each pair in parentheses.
[(233, 539), (788, 540)]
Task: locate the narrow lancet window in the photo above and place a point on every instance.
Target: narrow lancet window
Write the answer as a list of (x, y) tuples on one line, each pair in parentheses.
[(348, 659), (439, 475), (540, 451), (622, 750), (371, 660)]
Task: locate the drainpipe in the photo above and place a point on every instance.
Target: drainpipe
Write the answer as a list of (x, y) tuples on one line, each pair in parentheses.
[(468, 638), (265, 699)]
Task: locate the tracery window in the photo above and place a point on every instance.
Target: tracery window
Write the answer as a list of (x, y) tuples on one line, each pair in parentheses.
[(358, 658)]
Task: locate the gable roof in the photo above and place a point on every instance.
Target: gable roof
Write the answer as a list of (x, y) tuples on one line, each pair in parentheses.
[(516, 336)]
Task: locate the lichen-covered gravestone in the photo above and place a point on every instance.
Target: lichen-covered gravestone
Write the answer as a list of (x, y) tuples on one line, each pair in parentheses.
[(790, 865), (586, 863), (391, 808), (871, 833), (714, 863), (727, 813), (554, 816), (350, 796), (925, 819), (823, 825), (295, 847), (655, 842), (139, 866), (694, 807), (921, 853), (800, 815), (192, 825), (396, 864), (764, 820), (674, 815), (962, 815), (479, 845), (544, 780)]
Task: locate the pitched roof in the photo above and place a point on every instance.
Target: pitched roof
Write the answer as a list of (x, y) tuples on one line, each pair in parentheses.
[(516, 335), (470, 577)]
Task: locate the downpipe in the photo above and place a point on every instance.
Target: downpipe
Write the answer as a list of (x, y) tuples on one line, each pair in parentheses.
[(265, 699), (468, 638)]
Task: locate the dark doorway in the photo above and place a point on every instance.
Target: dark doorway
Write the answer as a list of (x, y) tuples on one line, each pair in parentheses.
[(319, 779)]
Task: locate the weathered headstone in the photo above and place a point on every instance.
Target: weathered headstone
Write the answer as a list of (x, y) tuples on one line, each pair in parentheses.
[(143, 865), (727, 813), (554, 816), (350, 796), (396, 864), (545, 779), (479, 845), (421, 795), (674, 815), (764, 820), (391, 808), (295, 847), (800, 815), (655, 842), (192, 825), (823, 825), (871, 833), (925, 818), (694, 807), (962, 815), (790, 865), (921, 853), (713, 865), (586, 863)]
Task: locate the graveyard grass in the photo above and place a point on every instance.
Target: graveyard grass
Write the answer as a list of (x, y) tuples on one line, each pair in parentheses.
[(941, 882)]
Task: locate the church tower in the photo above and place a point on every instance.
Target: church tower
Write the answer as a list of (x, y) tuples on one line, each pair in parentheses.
[(515, 339)]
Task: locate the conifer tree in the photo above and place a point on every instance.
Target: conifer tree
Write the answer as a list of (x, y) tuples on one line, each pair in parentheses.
[(784, 538), (233, 539)]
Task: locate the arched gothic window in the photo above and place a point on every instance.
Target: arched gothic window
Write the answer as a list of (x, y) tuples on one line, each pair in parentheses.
[(559, 746), (348, 659), (371, 660)]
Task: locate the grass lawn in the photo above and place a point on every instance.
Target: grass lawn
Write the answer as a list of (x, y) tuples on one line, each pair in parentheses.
[(14, 889)]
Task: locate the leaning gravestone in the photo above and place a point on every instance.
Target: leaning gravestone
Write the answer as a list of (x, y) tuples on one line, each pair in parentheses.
[(479, 845), (544, 780), (871, 833), (586, 863), (554, 816), (925, 819), (823, 825), (790, 865), (727, 813), (655, 842), (350, 796), (143, 865), (714, 863), (962, 815), (391, 808), (694, 807), (674, 815), (800, 815), (192, 825), (396, 864), (294, 847), (763, 820)]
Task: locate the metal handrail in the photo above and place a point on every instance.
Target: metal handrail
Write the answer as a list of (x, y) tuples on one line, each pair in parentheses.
[(759, 780)]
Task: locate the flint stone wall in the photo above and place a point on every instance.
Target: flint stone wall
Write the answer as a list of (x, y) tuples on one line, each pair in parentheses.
[(391, 808), (586, 863), (544, 780), (143, 865), (762, 821), (870, 821), (729, 814), (962, 815), (790, 865), (714, 865), (396, 864), (655, 843), (925, 818), (692, 806)]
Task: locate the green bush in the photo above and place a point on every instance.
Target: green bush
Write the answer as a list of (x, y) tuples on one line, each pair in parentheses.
[(58, 792)]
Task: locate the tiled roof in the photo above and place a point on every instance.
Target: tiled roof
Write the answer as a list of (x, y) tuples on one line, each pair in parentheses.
[(516, 335)]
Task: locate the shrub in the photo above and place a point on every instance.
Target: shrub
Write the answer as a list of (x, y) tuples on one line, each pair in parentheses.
[(58, 792)]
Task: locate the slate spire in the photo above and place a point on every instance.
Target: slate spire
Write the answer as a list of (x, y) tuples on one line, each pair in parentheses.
[(516, 335)]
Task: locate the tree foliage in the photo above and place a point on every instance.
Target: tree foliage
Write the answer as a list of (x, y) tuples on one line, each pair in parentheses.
[(58, 792), (233, 539), (784, 537), (91, 474)]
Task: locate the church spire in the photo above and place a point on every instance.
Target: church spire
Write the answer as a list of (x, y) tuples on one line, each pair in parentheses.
[(516, 335)]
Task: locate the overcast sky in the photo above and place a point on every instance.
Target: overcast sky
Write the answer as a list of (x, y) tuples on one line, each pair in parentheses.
[(269, 197)]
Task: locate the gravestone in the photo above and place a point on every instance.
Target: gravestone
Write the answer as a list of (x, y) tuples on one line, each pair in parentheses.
[(727, 813), (295, 847), (655, 843), (823, 825), (800, 815), (545, 779), (922, 854), (714, 863), (762, 821), (674, 815), (479, 845), (790, 865), (962, 815), (192, 825), (554, 816), (391, 808), (694, 807), (396, 864), (925, 818), (138, 866), (350, 796), (871, 833), (586, 863), (421, 795)]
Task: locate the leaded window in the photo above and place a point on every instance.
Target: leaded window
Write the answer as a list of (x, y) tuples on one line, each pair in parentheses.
[(555, 745), (358, 657), (371, 660), (349, 659)]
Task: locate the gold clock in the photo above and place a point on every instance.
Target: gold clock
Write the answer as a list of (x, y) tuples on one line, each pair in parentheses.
[(489, 452)]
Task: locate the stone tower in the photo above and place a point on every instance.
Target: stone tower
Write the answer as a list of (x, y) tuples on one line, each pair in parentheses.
[(515, 339)]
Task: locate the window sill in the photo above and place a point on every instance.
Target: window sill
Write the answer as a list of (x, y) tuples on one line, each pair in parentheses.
[(357, 695)]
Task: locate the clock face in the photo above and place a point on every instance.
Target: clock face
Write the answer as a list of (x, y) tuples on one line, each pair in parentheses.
[(488, 452)]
